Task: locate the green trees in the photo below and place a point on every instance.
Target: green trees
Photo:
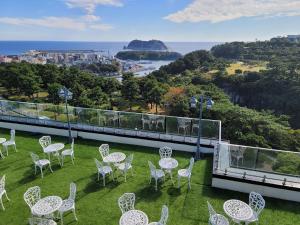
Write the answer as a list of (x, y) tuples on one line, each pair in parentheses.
[(130, 89)]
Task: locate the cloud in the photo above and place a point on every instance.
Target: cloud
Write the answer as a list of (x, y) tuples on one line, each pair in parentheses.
[(223, 10), (90, 18), (58, 22), (90, 5)]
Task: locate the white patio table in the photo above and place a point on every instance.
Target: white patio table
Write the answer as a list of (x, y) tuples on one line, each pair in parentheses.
[(115, 157), (54, 148), (134, 217), (47, 206), (237, 210), (2, 140), (168, 164)]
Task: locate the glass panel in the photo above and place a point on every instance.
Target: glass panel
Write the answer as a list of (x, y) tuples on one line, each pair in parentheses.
[(153, 123), (132, 121)]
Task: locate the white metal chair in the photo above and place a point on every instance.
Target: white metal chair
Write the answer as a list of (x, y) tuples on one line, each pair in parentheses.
[(68, 152), (3, 191), (165, 152), (187, 173), (156, 174), (257, 203), (103, 170), (125, 166), (126, 202), (41, 221), (215, 218), (237, 153), (40, 163), (32, 196), (104, 150), (11, 142), (164, 217), (160, 121), (45, 141), (146, 121), (68, 204)]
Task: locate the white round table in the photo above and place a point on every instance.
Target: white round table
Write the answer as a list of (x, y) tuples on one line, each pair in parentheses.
[(115, 157), (46, 206), (168, 164), (134, 217), (54, 148), (2, 140), (238, 210)]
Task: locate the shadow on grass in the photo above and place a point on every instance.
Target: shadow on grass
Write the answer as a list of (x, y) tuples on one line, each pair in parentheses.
[(149, 194)]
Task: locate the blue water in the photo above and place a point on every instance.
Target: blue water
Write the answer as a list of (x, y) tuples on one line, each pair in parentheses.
[(19, 47)]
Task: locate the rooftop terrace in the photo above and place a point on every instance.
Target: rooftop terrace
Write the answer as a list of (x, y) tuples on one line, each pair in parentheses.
[(98, 205)]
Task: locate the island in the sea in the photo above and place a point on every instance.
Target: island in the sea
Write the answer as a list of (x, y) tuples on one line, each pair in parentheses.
[(147, 50), (152, 45)]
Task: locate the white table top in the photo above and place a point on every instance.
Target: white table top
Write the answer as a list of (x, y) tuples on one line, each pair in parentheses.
[(115, 157), (168, 163), (54, 147), (46, 206), (134, 217), (238, 210), (2, 140)]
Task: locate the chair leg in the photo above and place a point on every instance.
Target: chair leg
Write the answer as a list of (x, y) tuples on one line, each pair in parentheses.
[(178, 181), (74, 213), (155, 184), (103, 176), (50, 168), (2, 204), (34, 169), (150, 179), (61, 218), (6, 196), (72, 158), (6, 149), (62, 160), (189, 183), (41, 169), (98, 176), (15, 147), (125, 176)]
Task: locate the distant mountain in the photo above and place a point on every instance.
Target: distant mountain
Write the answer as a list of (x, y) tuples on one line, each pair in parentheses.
[(152, 45)]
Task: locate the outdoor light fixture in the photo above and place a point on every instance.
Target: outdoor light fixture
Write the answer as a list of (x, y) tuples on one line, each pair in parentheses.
[(209, 105), (65, 94)]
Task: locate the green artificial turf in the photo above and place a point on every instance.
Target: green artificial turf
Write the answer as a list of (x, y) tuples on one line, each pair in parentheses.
[(98, 205)]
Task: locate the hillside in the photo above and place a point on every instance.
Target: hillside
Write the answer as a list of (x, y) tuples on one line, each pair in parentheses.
[(148, 55)]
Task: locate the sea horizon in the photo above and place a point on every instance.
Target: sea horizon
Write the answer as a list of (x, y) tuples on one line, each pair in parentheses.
[(18, 47)]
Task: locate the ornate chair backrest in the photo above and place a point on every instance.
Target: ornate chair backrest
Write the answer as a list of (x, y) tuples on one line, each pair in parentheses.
[(32, 196), (165, 152), (152, 169), (34, 157), (256, 202), (45, 141), (12, 135), (211, 210), (38, 221), (164, 215), (104, 150), (72, 191), (182, 122), (192, 161), (128, 161), (126, 202), (2, 184)]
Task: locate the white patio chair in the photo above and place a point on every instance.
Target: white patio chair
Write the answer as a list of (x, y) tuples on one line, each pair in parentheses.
[(40, 163), (156, 174), (214, 218), (41, 221), (126, 165), (146, 121), (165, 152), (238, 154), (257, 203), (68, 152), (3, 191), (103, 170), (45, 141), (104, 150), (187, 173), (164, 217), (32, 196), (160, 121), (183, 124), (69, 203), (11, 142), (126, 202)]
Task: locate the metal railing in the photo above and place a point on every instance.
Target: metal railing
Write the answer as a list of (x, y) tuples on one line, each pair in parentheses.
[(109, 121), (258, 164)]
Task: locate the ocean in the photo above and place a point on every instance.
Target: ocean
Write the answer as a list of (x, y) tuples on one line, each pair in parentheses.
[(19, 47)]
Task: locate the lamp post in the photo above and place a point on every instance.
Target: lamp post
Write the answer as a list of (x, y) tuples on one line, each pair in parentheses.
[(209, 104), (65, 94)]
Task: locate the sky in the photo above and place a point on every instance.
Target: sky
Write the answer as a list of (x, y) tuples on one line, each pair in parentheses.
[(167, 20)]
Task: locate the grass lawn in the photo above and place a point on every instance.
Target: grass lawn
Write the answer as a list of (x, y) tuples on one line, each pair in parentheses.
[(98, 205), (246, 67)]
